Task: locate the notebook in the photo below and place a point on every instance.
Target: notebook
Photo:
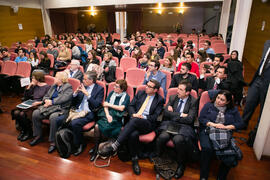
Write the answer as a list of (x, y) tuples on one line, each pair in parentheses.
[(26, 104)]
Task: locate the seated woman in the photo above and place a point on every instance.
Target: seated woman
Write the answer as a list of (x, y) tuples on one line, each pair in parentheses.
[(153, 53), (93, 64), (35, 91), (168, 65), (33, 59), (56, 102), (109, 67), (137, 54), (45, 62), (110, 117), (143, 62), (221, 115), (64, 55)]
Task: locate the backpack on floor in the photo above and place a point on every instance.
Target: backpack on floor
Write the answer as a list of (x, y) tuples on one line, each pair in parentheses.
[(64, 142)]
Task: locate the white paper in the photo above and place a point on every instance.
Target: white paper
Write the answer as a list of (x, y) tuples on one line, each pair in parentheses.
[(25, 81), (20, 26)]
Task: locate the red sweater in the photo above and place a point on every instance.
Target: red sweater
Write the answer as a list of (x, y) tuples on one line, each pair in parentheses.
[(194, 68)]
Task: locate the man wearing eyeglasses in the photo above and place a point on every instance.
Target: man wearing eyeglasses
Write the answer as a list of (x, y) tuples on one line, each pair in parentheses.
[(144, 111)]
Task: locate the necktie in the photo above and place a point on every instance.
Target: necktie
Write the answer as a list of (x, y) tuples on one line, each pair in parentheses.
[(71, 72), (215, 86), (179, 105), (144, 105)]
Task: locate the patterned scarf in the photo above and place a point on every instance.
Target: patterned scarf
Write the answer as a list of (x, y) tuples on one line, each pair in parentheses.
[(114, 95), (220, 117)]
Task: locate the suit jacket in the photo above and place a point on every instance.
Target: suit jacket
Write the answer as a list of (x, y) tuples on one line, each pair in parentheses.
[(155, 109), (177, 78), (64, 95), (266, 74), (78, 75), (209, 83), (94, 102), (187, 123)]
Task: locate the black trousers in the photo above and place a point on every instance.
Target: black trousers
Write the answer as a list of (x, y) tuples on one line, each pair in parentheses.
[(180, 143), (206, 156), (131, 132), (256, 95)]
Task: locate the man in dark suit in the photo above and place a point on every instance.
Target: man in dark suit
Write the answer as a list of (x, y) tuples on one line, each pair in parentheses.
[(258, 87), (219, 81), (185, 75), (179, 116), (144, 111), (88, 97), (74, 70)]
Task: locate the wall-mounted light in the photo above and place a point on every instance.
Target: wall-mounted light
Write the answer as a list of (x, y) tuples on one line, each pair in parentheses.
[(159, 8), (181, 8)]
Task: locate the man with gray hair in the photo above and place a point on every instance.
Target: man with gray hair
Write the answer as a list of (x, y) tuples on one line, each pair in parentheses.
[(74, 70)]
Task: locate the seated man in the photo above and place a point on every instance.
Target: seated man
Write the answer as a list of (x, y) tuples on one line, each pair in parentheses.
[(88, 97), (74, 70), (218, 81), (21, 56), (190, 59), (217, 60), (206, 46), (185, 75), (4, 55), (144, 111), (160, 50), (52, 51), (179, 116), (154, 73)]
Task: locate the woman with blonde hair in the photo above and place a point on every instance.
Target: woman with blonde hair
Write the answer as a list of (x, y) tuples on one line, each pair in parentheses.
[(56, 102)]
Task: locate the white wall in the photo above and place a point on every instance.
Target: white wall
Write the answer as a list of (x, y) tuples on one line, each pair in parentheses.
[(22, 3)]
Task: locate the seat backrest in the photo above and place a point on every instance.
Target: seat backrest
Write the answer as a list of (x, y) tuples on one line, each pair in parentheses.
[(128, 62), (102, 84), (144, 48), (2, 63), (49, 80), (126, 52), (10, 68), (135, 76), (167, 54), (129, 91), (119, 73), (142, 88), (51, 57), (23, 69), (99, 58), (75, 83), (116, 60), (220, 48), (168, 78), (203, 100)]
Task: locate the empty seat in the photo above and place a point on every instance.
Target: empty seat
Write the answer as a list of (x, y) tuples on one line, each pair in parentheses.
[(119, 73), (23, 69), (220, 48), (10, 68), (135, 76), (128, 62), (203, 100)]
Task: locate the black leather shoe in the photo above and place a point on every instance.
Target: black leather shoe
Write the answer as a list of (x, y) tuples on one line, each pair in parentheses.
[(51, 148), (35, 141), (79, 150), (135, 166), (26, 136), (93, 157), (91, 151), (179, 172), (20, 135)]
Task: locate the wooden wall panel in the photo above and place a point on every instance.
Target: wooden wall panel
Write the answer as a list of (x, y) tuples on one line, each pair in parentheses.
[(255, 36), (100, 20), (31, 20)]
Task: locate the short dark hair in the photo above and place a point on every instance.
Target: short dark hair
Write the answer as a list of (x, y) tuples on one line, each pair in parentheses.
[(187, 65), (229, 98), (221, 58), (189, 42), (92, 75), (4, 49), (208, 42), (157, 63), (157, 84), (225, 69), (191, 54), (122, 83), (187, 84)]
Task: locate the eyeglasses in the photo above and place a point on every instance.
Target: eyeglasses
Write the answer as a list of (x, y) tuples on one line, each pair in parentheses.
[(151, 65), (116, 86), (149, 86)]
